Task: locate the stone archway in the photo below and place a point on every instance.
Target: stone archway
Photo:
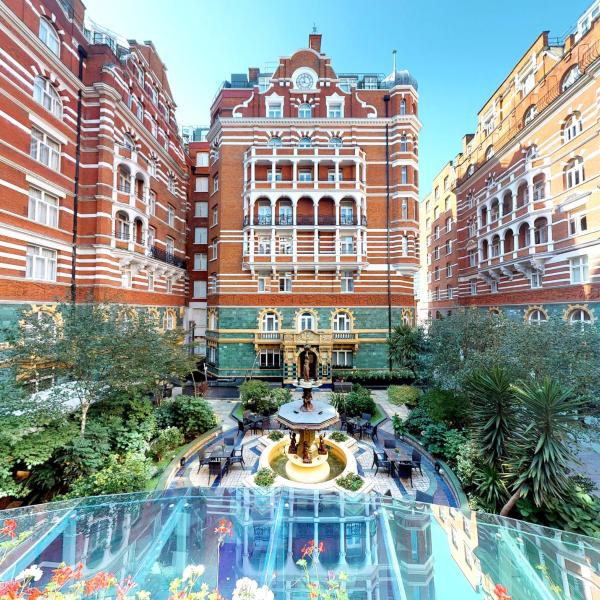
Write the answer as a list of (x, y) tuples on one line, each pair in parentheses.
[(313, 364)]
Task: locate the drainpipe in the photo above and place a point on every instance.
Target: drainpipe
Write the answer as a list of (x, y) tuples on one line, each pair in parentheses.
[(386, 99), (82, 56)]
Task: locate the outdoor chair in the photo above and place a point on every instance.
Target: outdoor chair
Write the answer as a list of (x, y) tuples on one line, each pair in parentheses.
[(343, 421), (217, 467), (367, 427), (423, 497), (404, 471), (244, 426), (229, 441), (389, 443), (381, 462), (351, 428), (238, 457), (201, 458), (416, 461)]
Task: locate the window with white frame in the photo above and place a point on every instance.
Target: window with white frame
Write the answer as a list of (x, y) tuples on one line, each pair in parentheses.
[(169, 320), (169, 285), (150, 282), (305, 175), (171, 215), (347, 244), (45, 94), (334, 110), (126, 279), (579, 269), (572, 75), (536, 316), (152, 203), (262, 284), (44, 149), (40, 263), (270, 358), (285, 245), (153, 167), (449, 292), (215, 184), (170, 247), (214, 249), (449, 247), (285, 283), (43, 207), (278, 176), (449, 224), (306, 322), (264, 245), (472, 228), (275, 142), (202, 184), (305, 111), (274, 110), (211, 355), (472, 258), (404, 208), (342, 322), (199, 289), (304, 142), (436, 232), (171, 183), (214, 216), (580, 316), (529, 115), (574, 174), (403, 143), (347, 281), (139, 111), (403, 106), (572, 127), (577, 224), (153, 94), (151, 237), (270, 322), (536, 280), (202, 159), (436, 273), (200, 235), (448, 269), (153, 127), (201, 209), (49, 36), (436, 253), (404, 175), (473, 288), (493, 286), (404, 245), (200, 261), (341, 358)]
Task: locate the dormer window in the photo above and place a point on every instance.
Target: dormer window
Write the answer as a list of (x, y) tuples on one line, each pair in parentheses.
[(335, 142), (275, 142), (274, 110), (305, 111), (128, 142), (49, 36), (572, 75), (529, 115), (334, 110)]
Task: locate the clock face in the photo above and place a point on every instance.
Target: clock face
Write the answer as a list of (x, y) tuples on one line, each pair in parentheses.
[(304, 81)]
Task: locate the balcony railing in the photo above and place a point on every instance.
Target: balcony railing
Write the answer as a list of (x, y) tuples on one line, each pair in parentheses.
[(166, 257), (347, 220), (123, 235), (268, 335), (343, 335), (126, 189), (326, 220), (288, 220), (285, 220)]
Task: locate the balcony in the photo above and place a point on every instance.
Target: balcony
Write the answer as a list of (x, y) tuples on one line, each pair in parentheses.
[(303, 221), (326, 152), (268, 335), (166, 257)]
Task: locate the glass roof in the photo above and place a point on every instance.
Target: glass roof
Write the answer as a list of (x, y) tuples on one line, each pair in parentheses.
[(385, 548)]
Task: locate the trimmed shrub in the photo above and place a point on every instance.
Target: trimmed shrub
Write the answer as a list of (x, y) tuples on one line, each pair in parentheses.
[(275, 436), (404, 395), (375, 376), (192, 416), (351, 482), (338, 436), (167, 439), (265, 477), (359, 401), (252, 391), (446, 407), (418, 420)]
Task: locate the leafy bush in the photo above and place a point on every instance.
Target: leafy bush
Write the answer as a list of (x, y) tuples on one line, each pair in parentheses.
[(351, 482), (192, 416), (268, 405), (454, 440), (404, 395), (265, 477), (446, 407), (399, 426), (434, 438), (338, 401), (338, 436), (375, 376), (120, 475), (252, 391), (418, 420), (168, 439), (359, 401), (275, 435)]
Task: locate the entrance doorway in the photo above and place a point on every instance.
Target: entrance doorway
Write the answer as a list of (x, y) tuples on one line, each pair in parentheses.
[(312, 364)]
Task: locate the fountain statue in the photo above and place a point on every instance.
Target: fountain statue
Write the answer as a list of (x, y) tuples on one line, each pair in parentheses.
[(322, 449), (293, 447)]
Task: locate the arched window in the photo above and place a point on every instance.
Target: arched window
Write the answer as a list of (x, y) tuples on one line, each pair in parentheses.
[(212, 321), (122, 226), (580, 316), (574, 174), (45, 94), (571, 76), (342, 322), (336, 142), (49, 36), (536, 317), (403, 106), (306, 321), (270, 322), (275, 142), (572, 127), (495, 246), (540, 231), (529, 115), (494, 210), (305, 142), (128, 142), (169, 321), (403, 144), (305, 111), (489, 152), (470, 170)]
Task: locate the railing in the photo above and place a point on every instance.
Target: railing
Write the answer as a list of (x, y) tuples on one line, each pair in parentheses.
[(305, 220), (67, 6), (347, 220), (285, 220), (126, 189), (268, 335), (166, 257), (343, 335), (326, 220), (264, 220), (123, 235)]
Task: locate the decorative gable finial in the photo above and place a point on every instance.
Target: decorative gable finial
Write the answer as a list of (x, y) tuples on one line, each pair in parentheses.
[(314, 27)]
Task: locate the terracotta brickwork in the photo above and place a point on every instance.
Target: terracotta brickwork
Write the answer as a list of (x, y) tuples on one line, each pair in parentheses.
[(527, 188), (128, 222)]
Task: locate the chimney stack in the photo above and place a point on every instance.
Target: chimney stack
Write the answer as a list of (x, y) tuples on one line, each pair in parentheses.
[(253, 73), (314, 41)]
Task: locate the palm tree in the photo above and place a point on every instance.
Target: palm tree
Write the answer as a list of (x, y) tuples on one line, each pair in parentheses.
[(493, 413), (541, 452), (405, 345)]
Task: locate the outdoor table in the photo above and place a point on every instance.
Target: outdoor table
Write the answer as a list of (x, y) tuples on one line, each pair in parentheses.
[(222, 452), (397, 455), (359, 422)]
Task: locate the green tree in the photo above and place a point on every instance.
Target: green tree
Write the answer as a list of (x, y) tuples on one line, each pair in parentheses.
[(405, 346), (192, 416), (541, 451), (98, 349), (493, 416)]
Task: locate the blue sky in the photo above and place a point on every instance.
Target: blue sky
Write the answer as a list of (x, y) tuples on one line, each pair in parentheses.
[(460, 50)]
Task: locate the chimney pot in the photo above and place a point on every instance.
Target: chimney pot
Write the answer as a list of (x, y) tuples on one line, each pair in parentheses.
[(253, 73)]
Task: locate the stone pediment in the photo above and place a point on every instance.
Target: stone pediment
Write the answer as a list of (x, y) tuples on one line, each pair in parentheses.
[(308, 337)]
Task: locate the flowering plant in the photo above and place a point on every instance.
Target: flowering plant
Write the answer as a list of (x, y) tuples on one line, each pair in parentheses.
[(9, 538), (335, 585)]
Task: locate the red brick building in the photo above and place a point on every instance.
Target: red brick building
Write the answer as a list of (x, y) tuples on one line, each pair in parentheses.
[(93, 176), (313, 217)]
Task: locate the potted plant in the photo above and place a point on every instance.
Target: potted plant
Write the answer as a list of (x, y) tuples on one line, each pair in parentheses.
[(399, 426)]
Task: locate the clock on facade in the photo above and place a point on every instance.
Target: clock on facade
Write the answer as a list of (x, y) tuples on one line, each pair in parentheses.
[(304, 81)]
